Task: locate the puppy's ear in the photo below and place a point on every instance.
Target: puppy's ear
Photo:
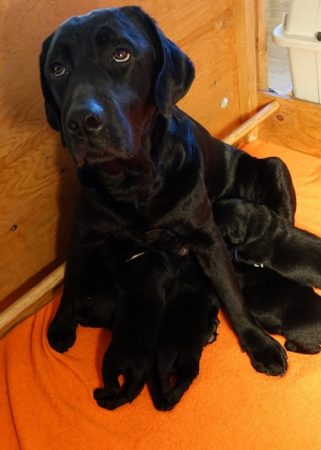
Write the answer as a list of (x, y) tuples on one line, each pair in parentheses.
[(174, 70), (51, 108)]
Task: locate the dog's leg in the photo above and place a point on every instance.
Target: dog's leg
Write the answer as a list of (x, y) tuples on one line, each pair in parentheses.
[(189, 323), (266, 354), (131, 350), (138, 317), (282, 306), (62, 329), (262, 238)]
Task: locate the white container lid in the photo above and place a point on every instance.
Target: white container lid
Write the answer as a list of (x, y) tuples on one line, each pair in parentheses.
[(282, 38), (304, 18)]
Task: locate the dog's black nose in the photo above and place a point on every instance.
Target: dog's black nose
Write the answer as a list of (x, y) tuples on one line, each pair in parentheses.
[(89, 118)]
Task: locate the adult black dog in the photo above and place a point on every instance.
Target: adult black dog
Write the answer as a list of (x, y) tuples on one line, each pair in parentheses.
[(110, 81)]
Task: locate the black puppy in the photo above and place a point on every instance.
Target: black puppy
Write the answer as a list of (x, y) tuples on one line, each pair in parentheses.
[(189, 323), (283, 306), (179, 317), (263, 238), (181, 310), (276, 275), (110, 81), (280, 305), (142, 282)]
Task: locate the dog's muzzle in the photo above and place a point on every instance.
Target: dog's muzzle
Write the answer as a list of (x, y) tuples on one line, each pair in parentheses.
[(85, 119)]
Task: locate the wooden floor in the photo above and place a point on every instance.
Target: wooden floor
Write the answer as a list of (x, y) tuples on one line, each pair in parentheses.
[(279, 71)]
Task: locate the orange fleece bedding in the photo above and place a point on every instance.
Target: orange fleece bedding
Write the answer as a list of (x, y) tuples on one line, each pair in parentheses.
[(46, 398)]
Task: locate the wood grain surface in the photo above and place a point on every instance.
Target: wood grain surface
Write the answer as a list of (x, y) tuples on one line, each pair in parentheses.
[(261, 29), (295, 125)]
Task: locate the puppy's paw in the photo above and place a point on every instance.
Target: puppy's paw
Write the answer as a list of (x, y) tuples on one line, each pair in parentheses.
[(124, 374), (61, 337), (110, 397), (302, 324), (172, 375), (300, 345), (225, 211), (266, 354), (113, 395)]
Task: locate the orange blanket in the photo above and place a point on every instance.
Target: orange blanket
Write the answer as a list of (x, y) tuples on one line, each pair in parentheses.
[(46, 398)]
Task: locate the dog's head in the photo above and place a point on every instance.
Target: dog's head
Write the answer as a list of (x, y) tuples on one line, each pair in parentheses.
[(104, 75)]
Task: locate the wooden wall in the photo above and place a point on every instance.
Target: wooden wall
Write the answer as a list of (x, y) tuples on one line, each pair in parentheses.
[(295, 125), (37, 179)]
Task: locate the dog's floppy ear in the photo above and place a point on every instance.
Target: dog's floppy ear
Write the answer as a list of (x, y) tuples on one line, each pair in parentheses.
[(51, 108), (174, 70), (175, 75)]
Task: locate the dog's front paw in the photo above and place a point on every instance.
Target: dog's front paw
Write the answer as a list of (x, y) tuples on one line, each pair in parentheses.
[(61, 336), (266, 354)]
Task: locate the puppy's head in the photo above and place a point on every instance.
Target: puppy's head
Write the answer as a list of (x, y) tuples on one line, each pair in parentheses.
[(104, 75)]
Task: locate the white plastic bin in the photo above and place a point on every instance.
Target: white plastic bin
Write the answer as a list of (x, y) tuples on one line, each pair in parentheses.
[(299, 33)]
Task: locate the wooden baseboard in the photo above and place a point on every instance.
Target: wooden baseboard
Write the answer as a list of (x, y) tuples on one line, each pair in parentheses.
[(33, 300), (251, 124)]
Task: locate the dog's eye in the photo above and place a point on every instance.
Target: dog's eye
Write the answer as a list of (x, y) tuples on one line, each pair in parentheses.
[(121, 55), (58, 70)]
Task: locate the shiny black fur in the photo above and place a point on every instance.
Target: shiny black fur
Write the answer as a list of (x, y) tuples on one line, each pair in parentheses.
[(283, 306), (277, 265), (150, 176), (262, 237)]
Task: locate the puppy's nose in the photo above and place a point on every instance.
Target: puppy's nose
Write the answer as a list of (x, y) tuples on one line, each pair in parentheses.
[(89, 118)]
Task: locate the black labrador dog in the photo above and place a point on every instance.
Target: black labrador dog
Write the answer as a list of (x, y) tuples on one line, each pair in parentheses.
[(150, 176)]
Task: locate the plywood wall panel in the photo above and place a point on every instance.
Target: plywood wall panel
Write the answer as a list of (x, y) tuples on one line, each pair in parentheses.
[(37, 179)]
